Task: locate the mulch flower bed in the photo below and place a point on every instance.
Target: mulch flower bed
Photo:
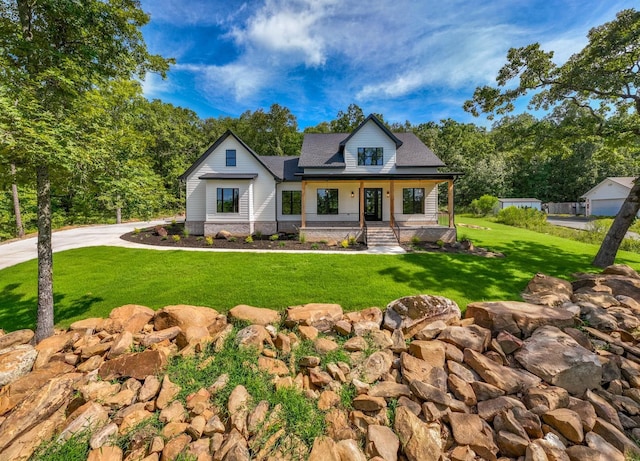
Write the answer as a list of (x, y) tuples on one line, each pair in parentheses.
[(172, 235)]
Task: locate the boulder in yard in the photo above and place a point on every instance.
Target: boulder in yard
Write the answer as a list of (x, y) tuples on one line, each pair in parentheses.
[(318, 315), (137, 365), (15, 362), (254, 315), (519, 319), (413, 313), (570, 366), (546, 290)]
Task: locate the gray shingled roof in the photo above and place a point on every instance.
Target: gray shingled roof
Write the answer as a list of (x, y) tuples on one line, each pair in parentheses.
[(322, 150), (284, 168)]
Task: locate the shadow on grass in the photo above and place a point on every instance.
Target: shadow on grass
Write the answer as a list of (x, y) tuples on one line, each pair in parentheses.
[(478, 279), (21, 311)]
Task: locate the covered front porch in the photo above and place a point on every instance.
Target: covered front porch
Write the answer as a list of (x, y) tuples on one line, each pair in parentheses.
[(339, 208)]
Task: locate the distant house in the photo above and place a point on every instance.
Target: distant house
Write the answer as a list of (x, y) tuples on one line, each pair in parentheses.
[(606, 198), (520, 203), (341, 185)]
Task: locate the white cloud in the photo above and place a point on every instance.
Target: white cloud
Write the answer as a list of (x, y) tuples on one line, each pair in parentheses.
[(288, 28), (241, 81), (153, 85)]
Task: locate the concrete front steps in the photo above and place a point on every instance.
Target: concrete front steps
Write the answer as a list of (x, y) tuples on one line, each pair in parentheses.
[(381, 236)]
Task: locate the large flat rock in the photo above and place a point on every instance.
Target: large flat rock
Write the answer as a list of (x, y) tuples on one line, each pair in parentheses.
[(318, 315), (413, 313), (519, 319), (558, 359)]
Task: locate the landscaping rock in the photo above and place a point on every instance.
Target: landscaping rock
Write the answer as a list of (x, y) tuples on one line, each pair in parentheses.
[(548, 291), (320, 316), (37, 408), (472, 337), (381, 441), (16, 338), (420, 441), (471, 430), (508, 379), (15, 362), (566, 422), (137, 365), (413, 313), (131, 317), (519, 319), (571, 366), (185, 316), (254, 315)]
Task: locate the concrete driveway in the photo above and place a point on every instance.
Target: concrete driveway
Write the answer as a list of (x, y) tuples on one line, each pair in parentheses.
[(17, 251), (574, 222), (581, 222)]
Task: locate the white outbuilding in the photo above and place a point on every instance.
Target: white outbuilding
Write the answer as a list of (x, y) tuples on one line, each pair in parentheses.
[(520, 203), (606, 198)]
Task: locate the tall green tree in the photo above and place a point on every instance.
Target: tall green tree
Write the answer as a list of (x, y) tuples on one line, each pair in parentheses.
[(602, 78), (467, 148), (57, 50)]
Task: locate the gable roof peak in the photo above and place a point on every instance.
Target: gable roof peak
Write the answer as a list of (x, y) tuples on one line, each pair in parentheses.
[(215, 145), (380, 125)]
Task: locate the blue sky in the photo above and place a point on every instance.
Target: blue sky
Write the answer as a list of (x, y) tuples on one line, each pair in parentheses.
[(415, 60)]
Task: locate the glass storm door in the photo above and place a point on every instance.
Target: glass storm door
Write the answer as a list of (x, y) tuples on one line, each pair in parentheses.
[(373, 204)]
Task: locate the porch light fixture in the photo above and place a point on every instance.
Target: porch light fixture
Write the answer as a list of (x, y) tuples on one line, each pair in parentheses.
[(352, 194), (387, 194)]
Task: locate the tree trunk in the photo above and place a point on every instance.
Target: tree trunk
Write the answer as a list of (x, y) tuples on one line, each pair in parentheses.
[(607, 252), (44, 327), (118, 210), (16, 202)]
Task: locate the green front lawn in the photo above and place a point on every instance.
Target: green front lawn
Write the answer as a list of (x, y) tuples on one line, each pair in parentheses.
[(89, 282)]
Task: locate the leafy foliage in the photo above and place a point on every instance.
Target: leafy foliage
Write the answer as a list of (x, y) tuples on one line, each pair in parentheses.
[(529, 218), (485, 205)]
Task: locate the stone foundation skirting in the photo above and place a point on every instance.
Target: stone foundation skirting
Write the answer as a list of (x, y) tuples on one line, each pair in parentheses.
[(317, 234), (428, 234), (194, 227)]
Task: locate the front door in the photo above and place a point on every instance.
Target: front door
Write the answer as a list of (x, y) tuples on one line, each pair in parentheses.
[(373, 204)]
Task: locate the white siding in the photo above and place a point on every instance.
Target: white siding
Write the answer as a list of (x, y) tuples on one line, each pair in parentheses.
[(257, 196), (608, 189), (348, 207), (370, 135), (430, 201)]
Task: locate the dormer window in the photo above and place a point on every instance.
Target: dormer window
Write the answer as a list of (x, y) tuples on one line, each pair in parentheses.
[(370, 156), (231, 157)]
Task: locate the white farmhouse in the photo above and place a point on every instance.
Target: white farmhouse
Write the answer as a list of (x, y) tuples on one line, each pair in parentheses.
[(342, 184)]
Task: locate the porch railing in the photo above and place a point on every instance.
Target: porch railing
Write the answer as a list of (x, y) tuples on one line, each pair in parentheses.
[(443, 219), (364, 232), (395, 228)]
